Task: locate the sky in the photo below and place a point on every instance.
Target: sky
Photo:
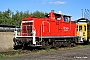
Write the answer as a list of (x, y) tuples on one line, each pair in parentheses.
[(71, 7)]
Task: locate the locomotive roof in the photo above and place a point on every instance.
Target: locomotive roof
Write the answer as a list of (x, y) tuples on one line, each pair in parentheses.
[(82, 20), (59, 15), (63, 15)]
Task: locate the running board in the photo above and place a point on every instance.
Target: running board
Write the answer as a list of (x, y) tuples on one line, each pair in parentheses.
[(35, 45)]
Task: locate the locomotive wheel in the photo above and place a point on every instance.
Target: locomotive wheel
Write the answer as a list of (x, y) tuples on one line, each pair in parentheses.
[(45, 45), (73, 44), (15, 46), (24, 46), (68, 44), (57, 44), (53, 44)]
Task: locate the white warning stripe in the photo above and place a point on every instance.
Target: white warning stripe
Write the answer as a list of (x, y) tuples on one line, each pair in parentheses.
[(27, 21)]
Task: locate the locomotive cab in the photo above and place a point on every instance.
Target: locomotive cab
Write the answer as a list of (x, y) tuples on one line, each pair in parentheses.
[(60, 16)]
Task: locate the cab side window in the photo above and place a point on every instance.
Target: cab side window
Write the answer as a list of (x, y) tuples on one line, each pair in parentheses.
[(66, 19), (80, 28), (84, 27), (77, 27), (58, 17)]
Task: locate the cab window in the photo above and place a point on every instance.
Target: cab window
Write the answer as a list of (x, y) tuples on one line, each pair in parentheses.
[(80, 28), (84, 27), (66, 19), (58, 17), (77, 27)]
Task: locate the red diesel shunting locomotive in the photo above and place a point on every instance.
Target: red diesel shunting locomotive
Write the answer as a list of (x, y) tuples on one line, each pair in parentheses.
[(54, 31)]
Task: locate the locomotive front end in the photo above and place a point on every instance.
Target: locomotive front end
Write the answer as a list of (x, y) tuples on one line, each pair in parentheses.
[(28, 30), (28, 34)]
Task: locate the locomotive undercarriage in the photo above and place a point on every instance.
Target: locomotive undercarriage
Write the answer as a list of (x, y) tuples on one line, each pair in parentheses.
[(45, 43), (21, 42), (53, 43)]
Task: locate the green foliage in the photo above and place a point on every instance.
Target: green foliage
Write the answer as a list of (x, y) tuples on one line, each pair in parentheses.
[(14, 18), (38, 14)]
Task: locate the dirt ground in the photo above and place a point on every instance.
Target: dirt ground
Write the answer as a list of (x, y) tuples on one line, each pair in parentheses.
[(6, 41), (76, 54)]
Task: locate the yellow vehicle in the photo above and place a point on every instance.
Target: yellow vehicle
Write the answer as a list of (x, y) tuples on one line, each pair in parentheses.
[(83, 29)]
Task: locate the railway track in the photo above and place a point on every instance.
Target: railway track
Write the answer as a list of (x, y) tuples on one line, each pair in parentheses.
[(29, 50)]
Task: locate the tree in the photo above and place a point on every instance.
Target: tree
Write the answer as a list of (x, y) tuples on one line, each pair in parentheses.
[(38, 14), (14, 18)]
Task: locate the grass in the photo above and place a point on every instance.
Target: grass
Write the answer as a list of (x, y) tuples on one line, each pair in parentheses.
[(82, 46), (11, 56), (12, 50), (42, 51), (8, 56)]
